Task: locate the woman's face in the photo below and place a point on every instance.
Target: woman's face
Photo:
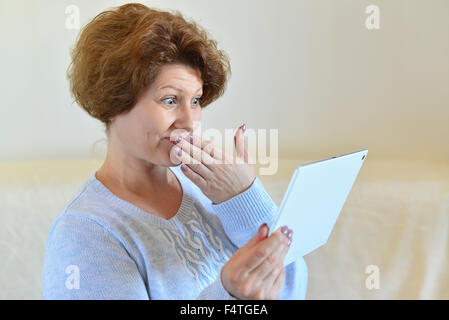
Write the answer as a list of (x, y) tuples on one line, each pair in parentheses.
[(170, 104)]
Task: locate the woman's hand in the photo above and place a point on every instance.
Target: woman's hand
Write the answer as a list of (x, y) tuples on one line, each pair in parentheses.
[(219, 176), (256, 270)]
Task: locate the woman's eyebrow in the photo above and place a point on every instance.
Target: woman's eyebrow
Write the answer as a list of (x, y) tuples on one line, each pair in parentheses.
[(176, 88)]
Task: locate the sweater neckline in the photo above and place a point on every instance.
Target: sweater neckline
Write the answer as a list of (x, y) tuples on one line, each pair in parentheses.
[(183, 215)]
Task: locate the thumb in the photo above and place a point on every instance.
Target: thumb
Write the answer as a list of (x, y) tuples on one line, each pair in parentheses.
[(261, 234)]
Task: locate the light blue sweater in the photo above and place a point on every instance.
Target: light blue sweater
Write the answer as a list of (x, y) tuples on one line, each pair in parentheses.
[(102, 247)]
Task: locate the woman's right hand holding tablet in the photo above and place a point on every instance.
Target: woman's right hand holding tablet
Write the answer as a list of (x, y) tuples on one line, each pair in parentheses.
[(256, 270)]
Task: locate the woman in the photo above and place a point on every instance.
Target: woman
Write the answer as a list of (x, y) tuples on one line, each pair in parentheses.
[(143, 226)]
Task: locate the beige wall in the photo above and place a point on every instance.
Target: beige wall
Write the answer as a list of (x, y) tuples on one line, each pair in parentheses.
[(310, 69)]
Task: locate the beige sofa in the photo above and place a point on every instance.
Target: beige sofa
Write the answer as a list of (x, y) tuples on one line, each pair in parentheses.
[(396, 218)]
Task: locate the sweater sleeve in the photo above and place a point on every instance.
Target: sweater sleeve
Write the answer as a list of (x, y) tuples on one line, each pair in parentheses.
[(83, 260), (241, 217), (295, 285), (243, 214), (215, 291)]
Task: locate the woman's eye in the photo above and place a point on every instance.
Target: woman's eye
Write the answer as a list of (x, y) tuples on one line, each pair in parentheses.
[(170, 100)]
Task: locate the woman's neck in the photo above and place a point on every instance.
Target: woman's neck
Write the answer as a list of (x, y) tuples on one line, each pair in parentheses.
[(134, 176)]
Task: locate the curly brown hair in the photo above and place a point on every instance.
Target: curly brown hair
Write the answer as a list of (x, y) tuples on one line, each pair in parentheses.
[(119, 53)]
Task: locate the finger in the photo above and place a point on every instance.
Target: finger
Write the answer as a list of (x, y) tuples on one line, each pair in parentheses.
[(271, 276), (262, 250), (268, 283), (193, 176), (290, 239), (245, 153), (261, 234), (268, 266), (239, 141), (205, 145), (196, 153), (245, 156), (278, 283), (176, 156)]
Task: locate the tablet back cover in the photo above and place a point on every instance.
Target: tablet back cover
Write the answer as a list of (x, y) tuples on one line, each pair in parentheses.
[(314, 198)]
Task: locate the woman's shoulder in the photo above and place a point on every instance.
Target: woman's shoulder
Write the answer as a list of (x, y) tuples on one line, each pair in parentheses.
[(84, 201), (87, 209), (74, 231)]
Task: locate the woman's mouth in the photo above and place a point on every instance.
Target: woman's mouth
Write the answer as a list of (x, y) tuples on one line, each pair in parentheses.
[(169, 140), (174, 140)]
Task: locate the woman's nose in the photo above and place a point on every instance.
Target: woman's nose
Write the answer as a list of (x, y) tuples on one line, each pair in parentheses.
[(187, 118)]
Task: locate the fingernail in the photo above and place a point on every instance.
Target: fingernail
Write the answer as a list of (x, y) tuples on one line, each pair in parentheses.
[(289, 242), (178, 151), (284, 230), (244, 128), (191, 139), (262, 226), (290, 234), (178, 139), (183, 167)]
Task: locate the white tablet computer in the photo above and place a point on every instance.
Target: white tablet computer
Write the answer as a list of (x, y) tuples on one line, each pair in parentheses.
[(314, 198)]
